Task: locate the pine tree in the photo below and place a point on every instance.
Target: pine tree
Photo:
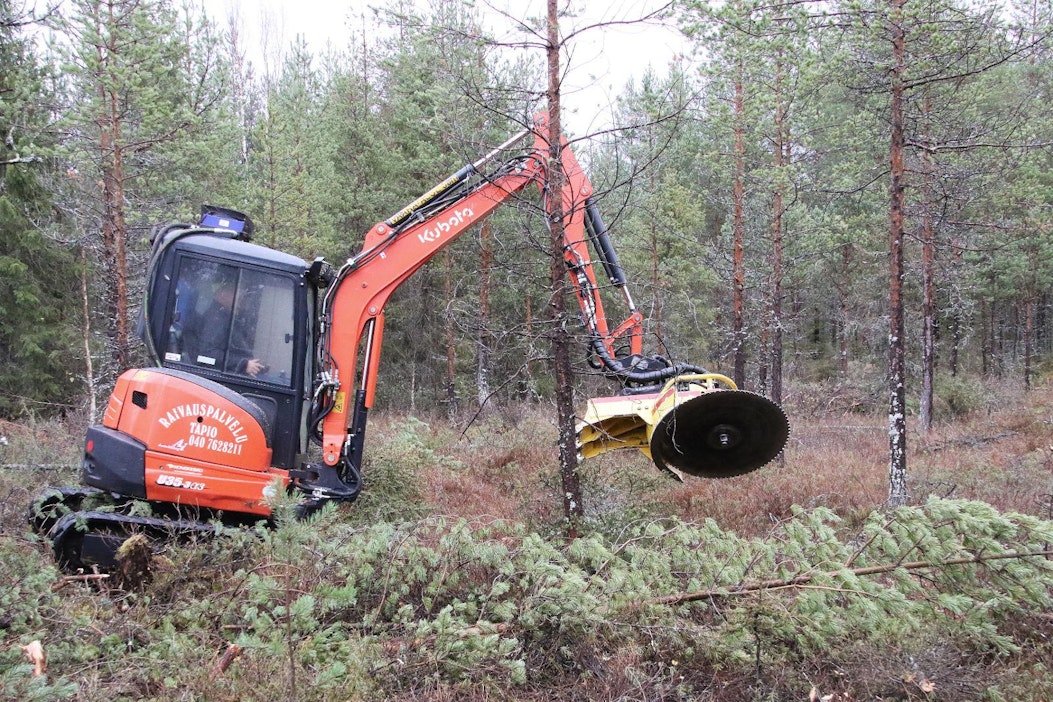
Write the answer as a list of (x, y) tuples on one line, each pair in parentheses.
[(37, 308), (135, 84)]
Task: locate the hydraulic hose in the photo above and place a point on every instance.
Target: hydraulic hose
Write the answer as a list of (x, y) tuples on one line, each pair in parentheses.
[(648, 380)]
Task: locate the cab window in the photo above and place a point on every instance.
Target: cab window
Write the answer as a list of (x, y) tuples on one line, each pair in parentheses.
[(232, 320)]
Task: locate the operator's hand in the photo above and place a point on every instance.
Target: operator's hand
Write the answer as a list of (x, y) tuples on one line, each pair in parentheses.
[(253, 367)]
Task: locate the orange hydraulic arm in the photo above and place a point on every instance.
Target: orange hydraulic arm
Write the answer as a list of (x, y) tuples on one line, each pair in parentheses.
[(352, 316)]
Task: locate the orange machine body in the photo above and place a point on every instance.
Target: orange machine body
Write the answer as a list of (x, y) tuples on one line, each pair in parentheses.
[(202, 445)]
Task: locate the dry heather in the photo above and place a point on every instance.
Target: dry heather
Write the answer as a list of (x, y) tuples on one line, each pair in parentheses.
[(503, 466)]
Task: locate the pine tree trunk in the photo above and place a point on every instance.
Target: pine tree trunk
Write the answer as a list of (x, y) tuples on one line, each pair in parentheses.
[(89, 366), (776, 262), (573, 509), (738, 233), (896, 361), (449, 341), (1029, 330), (956, 310), (528, 324), (985, 348), (653, 241), (236, 56), (114, 230), (842, 309), (928, 293)]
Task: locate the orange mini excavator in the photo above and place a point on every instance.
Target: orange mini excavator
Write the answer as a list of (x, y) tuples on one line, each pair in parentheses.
[(257, 352)]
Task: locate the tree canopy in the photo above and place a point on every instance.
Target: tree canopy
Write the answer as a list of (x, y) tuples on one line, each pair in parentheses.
[(747, 186)]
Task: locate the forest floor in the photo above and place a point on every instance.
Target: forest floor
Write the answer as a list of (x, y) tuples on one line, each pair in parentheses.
[(358, 636), (1001, 452)]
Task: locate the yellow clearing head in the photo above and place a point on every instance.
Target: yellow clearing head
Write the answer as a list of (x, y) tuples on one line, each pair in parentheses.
[(699, 424)]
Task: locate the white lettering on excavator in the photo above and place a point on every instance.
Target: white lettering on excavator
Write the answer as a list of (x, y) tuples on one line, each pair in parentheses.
[(430, 235), (203, 411), (195, 470), (179, 482)]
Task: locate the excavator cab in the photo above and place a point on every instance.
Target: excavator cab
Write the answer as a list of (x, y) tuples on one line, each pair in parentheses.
[(218, 423), (239, 315)]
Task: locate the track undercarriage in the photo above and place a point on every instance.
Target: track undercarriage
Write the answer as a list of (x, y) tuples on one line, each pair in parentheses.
[(86, 526)]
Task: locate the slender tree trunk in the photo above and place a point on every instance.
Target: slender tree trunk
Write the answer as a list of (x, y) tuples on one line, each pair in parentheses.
[(449, 336), (997, 328), (114, 230), (120, 230), (764, 352), (985, 349), (272, 175), (1030, 301), (573, 509), (1041, 324), (528, 324), (738, 234), (928, 287), (89, 366), (897, 419), (775, 284), (484, 340), (928, 331), (413, 387), (956, 310), (1029, 330), (654, 236), (236, 54), (842, 309)]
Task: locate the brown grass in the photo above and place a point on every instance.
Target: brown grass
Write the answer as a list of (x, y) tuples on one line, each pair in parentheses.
[(1001, 453), (503, 465)]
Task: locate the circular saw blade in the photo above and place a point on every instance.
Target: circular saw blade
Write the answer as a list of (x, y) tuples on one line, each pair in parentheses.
[(720, 434)]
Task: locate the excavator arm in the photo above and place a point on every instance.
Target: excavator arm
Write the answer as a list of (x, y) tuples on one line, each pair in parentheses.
[(352, 315), (394, 249)]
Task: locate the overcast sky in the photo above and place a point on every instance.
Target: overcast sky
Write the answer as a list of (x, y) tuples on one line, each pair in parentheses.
[(601, 59)]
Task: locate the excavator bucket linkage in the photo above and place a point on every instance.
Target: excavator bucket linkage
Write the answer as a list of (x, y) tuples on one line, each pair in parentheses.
[(698, 424)]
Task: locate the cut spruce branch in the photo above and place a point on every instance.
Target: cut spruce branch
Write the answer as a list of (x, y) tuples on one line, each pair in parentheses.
[(806, 578)]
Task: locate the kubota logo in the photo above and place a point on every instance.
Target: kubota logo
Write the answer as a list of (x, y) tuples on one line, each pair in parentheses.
[(430, 235)]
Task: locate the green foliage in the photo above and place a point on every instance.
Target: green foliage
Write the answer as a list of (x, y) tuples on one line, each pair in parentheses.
[(27, 604), (392, 472), (957, 396), (37, 298), (325, 609), (37, 323)]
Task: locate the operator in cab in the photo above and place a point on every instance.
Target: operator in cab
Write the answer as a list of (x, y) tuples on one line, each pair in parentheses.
[(211, 326), (218, 338)]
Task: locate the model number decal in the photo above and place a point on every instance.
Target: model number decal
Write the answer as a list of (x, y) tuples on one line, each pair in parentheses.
[(178, 482)]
